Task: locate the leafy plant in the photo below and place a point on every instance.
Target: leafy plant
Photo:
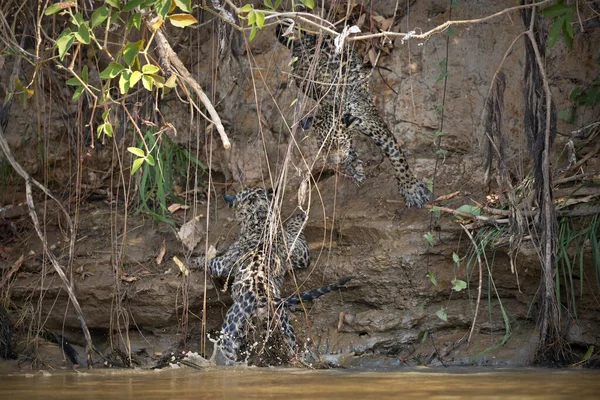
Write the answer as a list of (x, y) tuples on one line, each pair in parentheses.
[(563, 22), (157, 172)]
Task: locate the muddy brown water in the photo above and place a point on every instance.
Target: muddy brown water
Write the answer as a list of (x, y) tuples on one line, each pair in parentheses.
[(267, 383)]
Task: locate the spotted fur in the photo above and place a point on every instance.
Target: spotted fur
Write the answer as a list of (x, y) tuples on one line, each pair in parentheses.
[(257, 262), (340, 83)]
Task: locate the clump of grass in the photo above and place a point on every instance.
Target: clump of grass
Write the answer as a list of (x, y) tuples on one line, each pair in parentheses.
[(156, 183)]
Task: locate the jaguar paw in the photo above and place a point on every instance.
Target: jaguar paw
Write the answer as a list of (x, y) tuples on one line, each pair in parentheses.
[(415, 195)]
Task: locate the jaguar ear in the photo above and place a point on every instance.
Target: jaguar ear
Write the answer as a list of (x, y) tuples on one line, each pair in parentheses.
[(229, 199)]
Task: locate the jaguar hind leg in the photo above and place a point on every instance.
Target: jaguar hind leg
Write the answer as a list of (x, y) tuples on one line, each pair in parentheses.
[(234, 329)]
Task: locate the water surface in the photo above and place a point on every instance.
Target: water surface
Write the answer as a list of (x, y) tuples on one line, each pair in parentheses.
[(267, 383)]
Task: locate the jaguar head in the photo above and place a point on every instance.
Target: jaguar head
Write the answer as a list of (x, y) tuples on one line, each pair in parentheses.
[(249, 202)]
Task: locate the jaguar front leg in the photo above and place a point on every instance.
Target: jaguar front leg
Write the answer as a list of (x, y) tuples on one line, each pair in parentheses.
[(413, 190)]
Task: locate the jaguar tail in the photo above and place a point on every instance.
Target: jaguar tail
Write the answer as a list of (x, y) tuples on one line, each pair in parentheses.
[(313, 294)]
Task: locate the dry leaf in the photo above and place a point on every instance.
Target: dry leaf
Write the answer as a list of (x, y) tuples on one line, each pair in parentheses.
[(184, 270), (161, 253), (211, 253), (447, 196), (176, 206), (128, 278), (191, 233), (340, 320), (14, 268)]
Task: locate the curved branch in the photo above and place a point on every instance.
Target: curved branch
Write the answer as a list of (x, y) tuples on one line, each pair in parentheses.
[(32, 213), (169, 56)]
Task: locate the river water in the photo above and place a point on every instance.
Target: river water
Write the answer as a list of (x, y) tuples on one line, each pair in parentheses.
[(267, 383)]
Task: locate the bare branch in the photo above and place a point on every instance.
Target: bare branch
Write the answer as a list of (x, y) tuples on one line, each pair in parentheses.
[(170, 57)]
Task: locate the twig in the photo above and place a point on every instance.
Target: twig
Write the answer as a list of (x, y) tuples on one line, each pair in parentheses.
[(68, 285), (468, 215), (479, 288), (446, 25), (170, 57)]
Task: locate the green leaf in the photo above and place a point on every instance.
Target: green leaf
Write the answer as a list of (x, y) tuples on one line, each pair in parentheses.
[(129, 53), (171, 82), (566, 115), (135, 20), (100, 129), (575, 93), (277, 3), (99, 16), (136, 151), (83, 34), (163, 7), (554, 31), (441, 314), (468, 209), (588, 353), (451, 31), (54, 8), (436, 211), (260, 19), (455, 258), (458, 285), (431, 277), (108, 129), (105, 114), (135, 78), (131, 4), (252, 33), (184, 5), (150, 160), (269, 4), (77, 19), (150, 69), (63, 44), (147, 81), (556, 10), (124, 82), (78, 93), (113, 3), (246, 8), (111, 71), (309, 3), (453, 3), (73, 82), (137, 163), (84, 74), (429, 237), (252, 18)]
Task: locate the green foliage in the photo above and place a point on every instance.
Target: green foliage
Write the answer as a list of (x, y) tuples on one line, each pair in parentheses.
[(431, 277), (581, 97), (563, 22), (157, 171), (429, 237), (577, 237), (256, 19), (441, 314)]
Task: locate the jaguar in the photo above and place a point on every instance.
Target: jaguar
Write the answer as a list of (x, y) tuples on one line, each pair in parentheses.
[(338, 80), (257, 263)]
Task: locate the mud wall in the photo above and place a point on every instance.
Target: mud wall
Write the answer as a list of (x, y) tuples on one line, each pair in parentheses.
[(360, 231)]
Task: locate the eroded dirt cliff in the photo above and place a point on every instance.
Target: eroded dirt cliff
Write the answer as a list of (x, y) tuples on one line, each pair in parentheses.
[(383, 317)]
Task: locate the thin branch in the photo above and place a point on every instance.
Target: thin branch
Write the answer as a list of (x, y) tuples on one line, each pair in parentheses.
[(446, 25), (479, 288), (59, 270), (170, 57)]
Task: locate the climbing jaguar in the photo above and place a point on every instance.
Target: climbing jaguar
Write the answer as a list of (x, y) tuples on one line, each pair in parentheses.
[(257, 262), (340, 82)]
